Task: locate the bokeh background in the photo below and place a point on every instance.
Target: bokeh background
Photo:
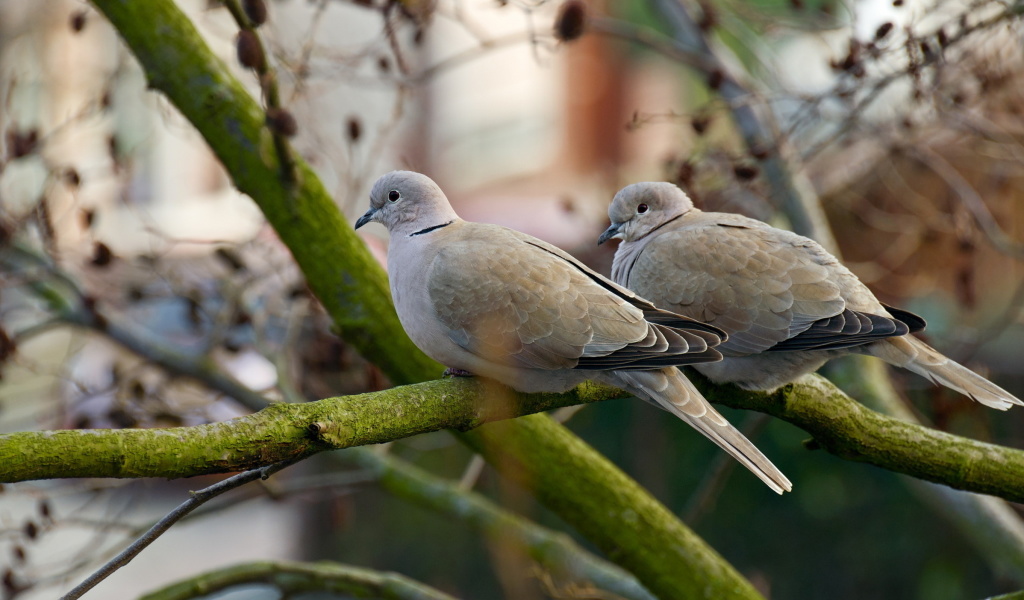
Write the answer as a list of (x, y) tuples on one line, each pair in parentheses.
[(902, 116)]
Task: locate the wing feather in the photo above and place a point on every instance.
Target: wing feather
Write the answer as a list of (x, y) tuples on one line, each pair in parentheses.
[(526, 304), (771, 290)]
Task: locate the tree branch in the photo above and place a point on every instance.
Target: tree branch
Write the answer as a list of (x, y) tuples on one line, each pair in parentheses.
[(277, 433), (196, 500), (839, 425), (293, 578), (850, 430), (664, 554), (556, 552), (75, 310)]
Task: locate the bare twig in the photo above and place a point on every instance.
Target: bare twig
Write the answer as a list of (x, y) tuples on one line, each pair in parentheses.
[(78, 311), (197, 499), (758, 130), (971, 200), (271, 93)]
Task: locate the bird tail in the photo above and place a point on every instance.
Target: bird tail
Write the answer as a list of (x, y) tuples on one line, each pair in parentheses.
[(913, 354), (669, 389)]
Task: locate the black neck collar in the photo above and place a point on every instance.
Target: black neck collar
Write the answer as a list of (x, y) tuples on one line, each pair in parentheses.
[(432, 228)]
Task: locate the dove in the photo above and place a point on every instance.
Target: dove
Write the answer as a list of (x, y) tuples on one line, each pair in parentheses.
[(787, 305), (487, 300)]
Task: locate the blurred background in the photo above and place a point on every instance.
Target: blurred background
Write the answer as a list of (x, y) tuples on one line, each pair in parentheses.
[(900, 118)]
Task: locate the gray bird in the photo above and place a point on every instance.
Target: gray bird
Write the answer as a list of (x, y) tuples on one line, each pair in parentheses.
[(495, 302), (786, 303)]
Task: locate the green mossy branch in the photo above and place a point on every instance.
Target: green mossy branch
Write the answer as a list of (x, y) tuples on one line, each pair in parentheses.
[(554, 552), (662, 552), (850, 430), (292, 578), (838, 424), (277, 433)]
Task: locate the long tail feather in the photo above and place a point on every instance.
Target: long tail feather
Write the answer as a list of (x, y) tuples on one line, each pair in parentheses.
[(914, 355), (672, 391)]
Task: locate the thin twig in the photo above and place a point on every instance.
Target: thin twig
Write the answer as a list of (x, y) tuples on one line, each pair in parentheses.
[(77, 311), (197, 500), (758, 129), (971, 200), (271, 92)]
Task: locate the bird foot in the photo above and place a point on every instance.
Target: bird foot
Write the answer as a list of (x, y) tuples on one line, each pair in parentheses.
[(450, 372)]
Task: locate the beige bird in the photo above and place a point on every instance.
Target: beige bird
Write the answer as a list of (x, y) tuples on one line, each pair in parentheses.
[(495, 302), (786, 303)]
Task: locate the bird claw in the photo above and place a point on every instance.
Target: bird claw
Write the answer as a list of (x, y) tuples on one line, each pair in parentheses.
[(450, 372)]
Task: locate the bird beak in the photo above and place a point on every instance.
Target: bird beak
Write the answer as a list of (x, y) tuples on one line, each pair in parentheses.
[(611, 232), (366, 218)]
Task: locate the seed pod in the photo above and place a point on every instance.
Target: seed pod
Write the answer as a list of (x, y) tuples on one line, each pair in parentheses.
[(700, 124), (78, 21), (281, 122), (250, 51), (571, 21), (7, 345), (22, 143), (355, 129), (71, 177), (745, 172), (256, 10), (230, 259), (684, 173), (101, 255), (715, 79)]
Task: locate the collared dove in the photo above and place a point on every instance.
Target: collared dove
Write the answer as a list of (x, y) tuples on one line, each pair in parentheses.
[(496, 302), (786, 303)]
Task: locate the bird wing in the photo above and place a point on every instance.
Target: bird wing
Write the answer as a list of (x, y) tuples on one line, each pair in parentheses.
[(772, 290), (512, 299)]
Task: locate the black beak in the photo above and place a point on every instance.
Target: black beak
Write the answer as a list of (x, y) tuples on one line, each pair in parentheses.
[(366, 218), (612, 231)]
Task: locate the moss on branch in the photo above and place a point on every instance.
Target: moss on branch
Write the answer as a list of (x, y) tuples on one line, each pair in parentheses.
[(292, 578), (839, 425), (277, 433), (661, 551), (555, 552), (850, 430)]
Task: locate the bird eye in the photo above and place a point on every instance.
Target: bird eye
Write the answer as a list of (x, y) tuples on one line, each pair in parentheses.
[(393, 196), (641, 209)]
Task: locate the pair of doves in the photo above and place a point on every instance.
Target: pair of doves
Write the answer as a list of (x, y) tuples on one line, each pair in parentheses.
[(739, 300)]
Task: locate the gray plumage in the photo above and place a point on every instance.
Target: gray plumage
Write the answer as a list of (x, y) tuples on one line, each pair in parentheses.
[(502, 304), (787, 304)]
